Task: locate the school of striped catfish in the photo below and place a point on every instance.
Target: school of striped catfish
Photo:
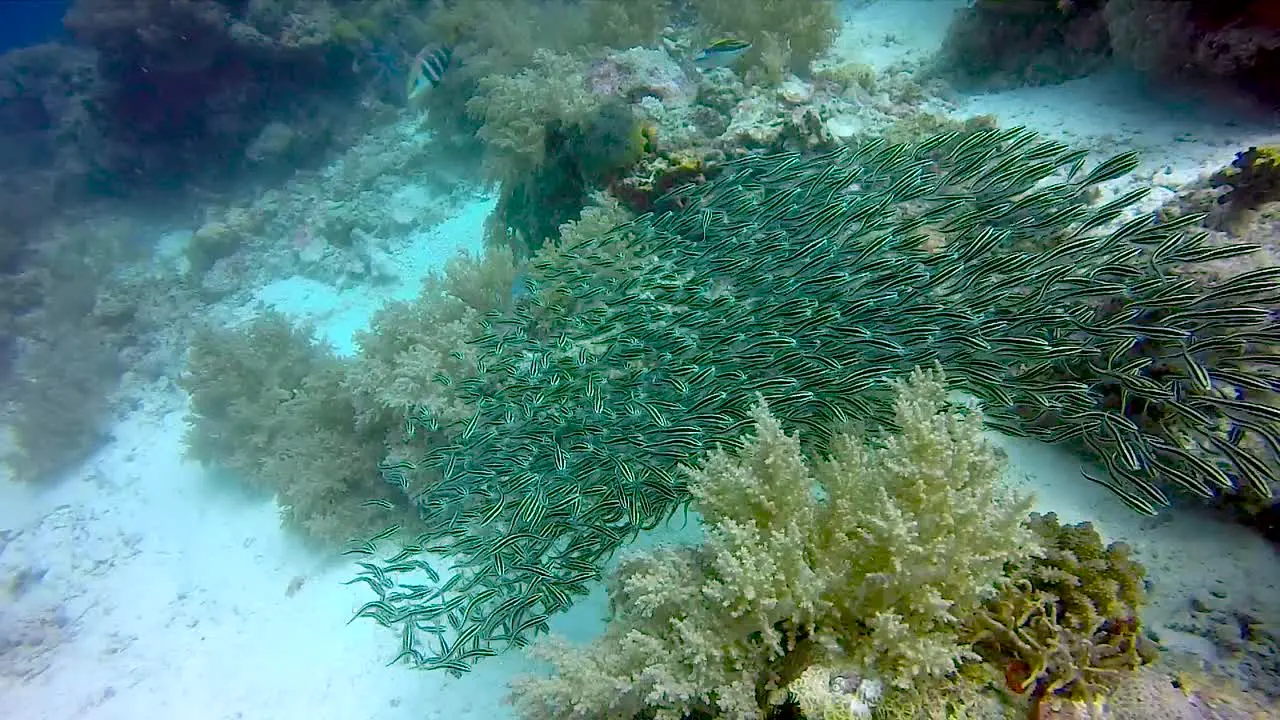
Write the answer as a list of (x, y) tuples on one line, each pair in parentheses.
[(809, 281)]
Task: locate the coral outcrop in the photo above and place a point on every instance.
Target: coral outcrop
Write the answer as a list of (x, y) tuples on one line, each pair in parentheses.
[(867, 560), (1206, 41), (1066, 625), (1033, 42), (185, 88), (1253, 180), (1231, 45), (49, 142)]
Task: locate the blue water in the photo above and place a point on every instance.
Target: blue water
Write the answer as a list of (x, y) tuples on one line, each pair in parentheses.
[(30, 22), (137, 583)]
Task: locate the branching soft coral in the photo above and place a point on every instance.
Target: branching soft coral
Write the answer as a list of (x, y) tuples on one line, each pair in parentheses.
[(868, 560), (551, 141), (517, 110), (290, 417), (237, 379), (415, 350), (626, 23), (268, 404)]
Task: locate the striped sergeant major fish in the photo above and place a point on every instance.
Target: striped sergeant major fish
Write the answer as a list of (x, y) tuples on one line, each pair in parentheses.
[(428, 69)]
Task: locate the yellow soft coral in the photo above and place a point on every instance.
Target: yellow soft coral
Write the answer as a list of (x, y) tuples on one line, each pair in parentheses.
[(869, 560)]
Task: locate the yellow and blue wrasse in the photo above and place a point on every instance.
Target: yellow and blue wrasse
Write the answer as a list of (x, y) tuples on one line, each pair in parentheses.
[(428, 69), (721, 53)]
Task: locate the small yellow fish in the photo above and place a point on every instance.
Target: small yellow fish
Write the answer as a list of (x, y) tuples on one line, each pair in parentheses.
[(721, 53)]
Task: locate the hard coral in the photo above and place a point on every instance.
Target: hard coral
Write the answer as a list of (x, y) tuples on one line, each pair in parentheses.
[(1223, 43), (1254, 179), (186, 81), (1066, 626)]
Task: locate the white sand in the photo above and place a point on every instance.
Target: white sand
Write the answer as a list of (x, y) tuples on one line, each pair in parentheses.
[(165, 592)]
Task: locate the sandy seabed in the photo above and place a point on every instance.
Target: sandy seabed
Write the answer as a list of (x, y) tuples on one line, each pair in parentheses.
[(156, 591)]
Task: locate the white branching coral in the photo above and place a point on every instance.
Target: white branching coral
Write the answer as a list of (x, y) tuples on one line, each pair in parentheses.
[(870, 560)]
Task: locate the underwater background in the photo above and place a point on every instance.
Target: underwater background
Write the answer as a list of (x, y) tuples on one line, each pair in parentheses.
[(31, 23), (611, 359)]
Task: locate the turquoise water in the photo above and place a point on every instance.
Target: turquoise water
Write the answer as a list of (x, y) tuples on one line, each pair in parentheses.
[(185, 475)]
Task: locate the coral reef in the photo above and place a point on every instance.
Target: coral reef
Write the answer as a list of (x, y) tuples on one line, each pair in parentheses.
[(49, 141), (342, 223), (1234, 44), (1253, 179), (157, 94), (1066, 625), (184, 88), (1000, 43), (810, 281), (836, 562), (545, 98)]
